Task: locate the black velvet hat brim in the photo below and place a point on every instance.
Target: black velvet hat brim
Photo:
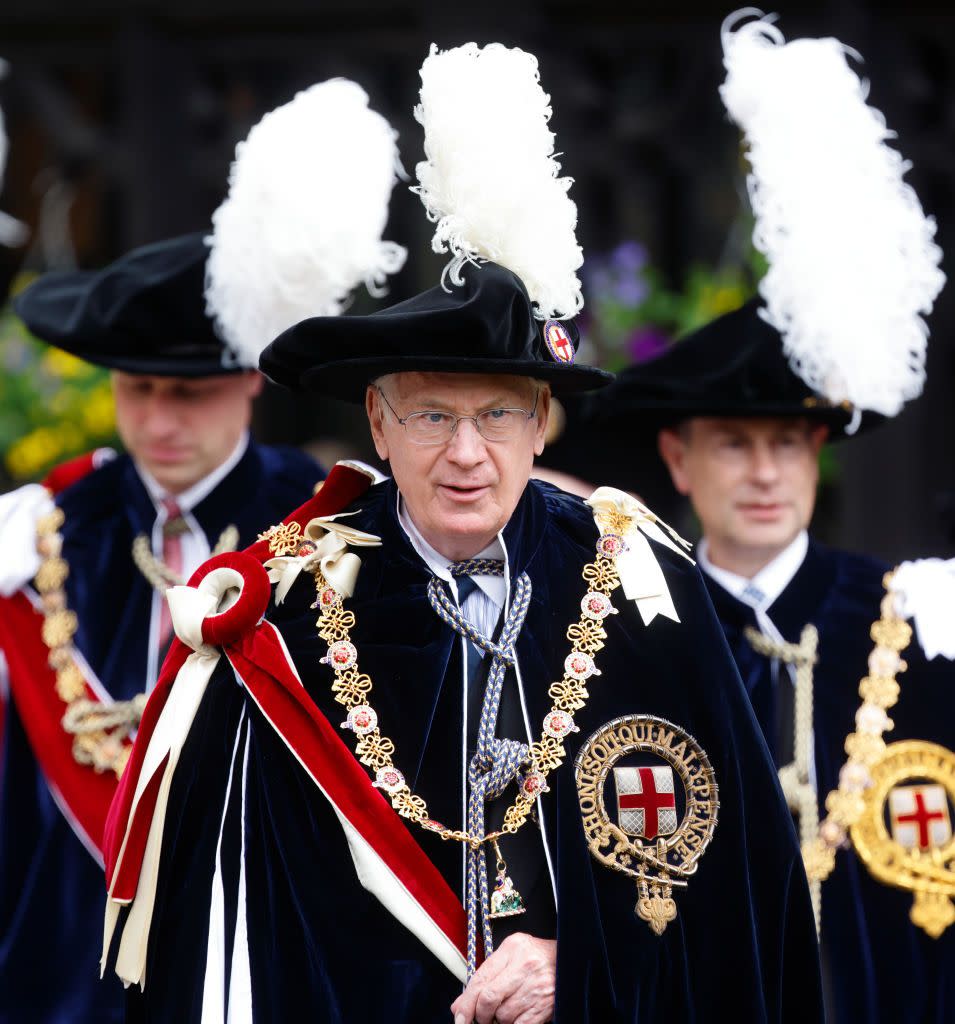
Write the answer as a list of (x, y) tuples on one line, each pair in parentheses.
[(486, 325), (143, 314), (349, 379)]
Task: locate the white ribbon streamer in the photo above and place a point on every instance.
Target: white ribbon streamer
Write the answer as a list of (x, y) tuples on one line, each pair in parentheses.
[(189, 606), (925, 592), (332, 540), (640, 574)]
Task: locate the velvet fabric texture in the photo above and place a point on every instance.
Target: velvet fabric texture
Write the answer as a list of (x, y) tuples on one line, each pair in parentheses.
[(51, 887), (145, 313), (322, 948), (878, 967), (733, 366), (486, 325)]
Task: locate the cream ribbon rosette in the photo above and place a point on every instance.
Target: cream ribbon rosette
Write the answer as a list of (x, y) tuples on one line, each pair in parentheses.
[(332, 540), (640, 574)]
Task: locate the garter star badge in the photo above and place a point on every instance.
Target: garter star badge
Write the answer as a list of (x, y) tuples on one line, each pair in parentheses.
[(661, 829), (904, 834), (558, 341)]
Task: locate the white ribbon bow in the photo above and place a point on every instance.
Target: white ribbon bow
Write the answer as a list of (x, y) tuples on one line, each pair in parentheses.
[(640, 574), (925, 592), (332, 540)]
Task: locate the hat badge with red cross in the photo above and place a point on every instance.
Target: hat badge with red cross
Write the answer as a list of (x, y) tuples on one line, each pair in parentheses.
[(558, 341)]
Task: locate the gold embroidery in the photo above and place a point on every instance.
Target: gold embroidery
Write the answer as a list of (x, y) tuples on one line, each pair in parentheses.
[(283, 538)]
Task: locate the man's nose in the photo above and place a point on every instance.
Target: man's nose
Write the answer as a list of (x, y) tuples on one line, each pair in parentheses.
[(161, 418), (467, 447), (764, 464)]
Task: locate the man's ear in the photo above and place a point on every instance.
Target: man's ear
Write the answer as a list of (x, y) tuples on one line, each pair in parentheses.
[(256, 383), (543, 415), (376, 412), (672, 448), (818, 435)]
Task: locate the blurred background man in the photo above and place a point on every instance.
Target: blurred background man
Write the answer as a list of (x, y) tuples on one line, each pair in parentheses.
[(191, 481), (741, 409), (85, 622)]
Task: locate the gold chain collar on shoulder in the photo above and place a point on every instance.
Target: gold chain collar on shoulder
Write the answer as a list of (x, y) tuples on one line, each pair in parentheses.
[(352, 688), (102, 732), (865, 746), (796, 777), (158, 574)]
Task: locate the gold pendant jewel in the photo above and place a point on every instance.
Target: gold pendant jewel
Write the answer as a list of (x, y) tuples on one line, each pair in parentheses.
[(505, 901)]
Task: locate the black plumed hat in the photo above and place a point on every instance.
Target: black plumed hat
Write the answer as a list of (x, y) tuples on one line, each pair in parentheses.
[(144, 313), (734, 366), (484, 325)]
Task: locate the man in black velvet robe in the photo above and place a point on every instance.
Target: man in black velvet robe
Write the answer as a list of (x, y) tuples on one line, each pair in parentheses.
[(266, 902), (741, 437), (184, 419)]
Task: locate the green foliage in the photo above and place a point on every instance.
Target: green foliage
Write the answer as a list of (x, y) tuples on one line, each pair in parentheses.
[(632, 314), (52, 405)]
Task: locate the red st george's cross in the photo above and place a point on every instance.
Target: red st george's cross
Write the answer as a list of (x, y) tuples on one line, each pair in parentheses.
[(559, 342), (646, 804), (919, 816)]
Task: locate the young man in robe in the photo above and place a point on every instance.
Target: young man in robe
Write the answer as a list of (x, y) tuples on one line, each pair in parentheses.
[(181, 325), (191, 480)]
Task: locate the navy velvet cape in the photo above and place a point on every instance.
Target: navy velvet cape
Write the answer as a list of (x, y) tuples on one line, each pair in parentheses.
[(743, 946), (879, 968), (51, 887)]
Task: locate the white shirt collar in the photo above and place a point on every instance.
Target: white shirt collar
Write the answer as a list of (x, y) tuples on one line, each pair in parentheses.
[(495, 587), (762, 590), (188, 500)]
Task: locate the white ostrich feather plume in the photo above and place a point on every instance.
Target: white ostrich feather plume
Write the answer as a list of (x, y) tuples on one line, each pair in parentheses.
[(490, 181), (853, 264), (12, 231), (302, 224)]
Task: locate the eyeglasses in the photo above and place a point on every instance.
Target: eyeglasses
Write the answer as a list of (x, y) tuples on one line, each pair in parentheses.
[(434, 427)]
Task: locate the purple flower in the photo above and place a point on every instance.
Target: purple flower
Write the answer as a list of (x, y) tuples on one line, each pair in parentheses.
[(629, 258), (645, 343), (630, 290), (599, 280)]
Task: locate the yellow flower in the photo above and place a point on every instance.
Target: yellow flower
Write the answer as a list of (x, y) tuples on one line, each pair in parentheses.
[(99, 413), (61, 364), (726, 299)]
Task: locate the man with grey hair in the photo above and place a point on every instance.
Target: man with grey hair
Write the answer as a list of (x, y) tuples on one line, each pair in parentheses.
[(542, 724)]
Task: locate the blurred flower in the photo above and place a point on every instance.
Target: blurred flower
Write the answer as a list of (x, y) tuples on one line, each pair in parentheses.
[(631, 291), (629, 257), (645, 343), (52, 405), (64, 365), (631, 313)]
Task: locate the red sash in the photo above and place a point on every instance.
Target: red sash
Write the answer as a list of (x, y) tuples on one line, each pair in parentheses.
[(83, 794), (406, 879)]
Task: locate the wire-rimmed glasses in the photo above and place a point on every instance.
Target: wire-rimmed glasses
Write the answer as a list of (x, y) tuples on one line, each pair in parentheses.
[(435, 426)]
